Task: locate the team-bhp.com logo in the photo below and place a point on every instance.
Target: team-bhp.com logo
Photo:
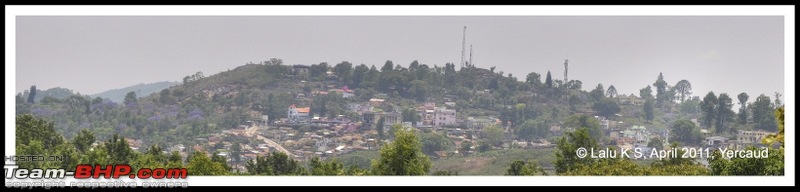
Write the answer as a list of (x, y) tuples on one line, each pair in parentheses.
[(96, 172), (85, 174)]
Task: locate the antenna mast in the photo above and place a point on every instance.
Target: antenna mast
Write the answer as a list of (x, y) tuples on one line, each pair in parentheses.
[(566, 69), (470, 56), (463, 46)]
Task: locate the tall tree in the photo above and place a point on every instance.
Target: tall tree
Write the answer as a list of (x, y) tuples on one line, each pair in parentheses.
[(743, 97), (684, 88), (646, 93), (724, 112), (762, 112), (344, 71), (649, 109), (236, 152), (32, 94), (709, 109), (403, 156), (359, 75), (130, 98), (548, 81), (661, 89), (597, 92), (119, 150), (533, 79), (379, 127), (612, 91), (388, 66)]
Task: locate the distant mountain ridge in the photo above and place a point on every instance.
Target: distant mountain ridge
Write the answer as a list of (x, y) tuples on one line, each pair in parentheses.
[(141, 90)]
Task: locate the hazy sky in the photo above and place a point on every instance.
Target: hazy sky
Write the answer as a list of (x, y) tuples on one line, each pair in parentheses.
[(95, 53)]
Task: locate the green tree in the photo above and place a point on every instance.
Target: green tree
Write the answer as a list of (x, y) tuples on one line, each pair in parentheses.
[(83, 141), (574, 85), (566, 158), (30, 128), (762, 112), (585, 121), (403, 156), (649, 110), (200, 164), (612, 91), (690, 106), (533, 79), (646, 93), (236, 152), (724, 112), (165, 98), (388, 66), (661, 89), (606, 107), (222, 160), (276, 163), (379, 127), (743, 97), (329, 167), (153, 157), (433, 142), (466, 146), (360, 75), (532, 130), (773, 164), (344, 71), (175, 156), (548, 81), (522, 168), (709, 108), (410, 115), (772, 138), (685, 131), (32, 94), (119, 151), (484, 146), (597, 93), (493, 135), (684, 88), (419, 90)]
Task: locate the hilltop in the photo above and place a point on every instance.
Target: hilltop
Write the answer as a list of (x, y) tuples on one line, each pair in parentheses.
[(117, 95)]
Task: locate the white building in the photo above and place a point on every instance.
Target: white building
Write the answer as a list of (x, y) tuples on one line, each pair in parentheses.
[(298, 114), (444, 117)]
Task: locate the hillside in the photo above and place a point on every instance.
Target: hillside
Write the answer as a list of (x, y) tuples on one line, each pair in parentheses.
[(348, 107), (118, 95)]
